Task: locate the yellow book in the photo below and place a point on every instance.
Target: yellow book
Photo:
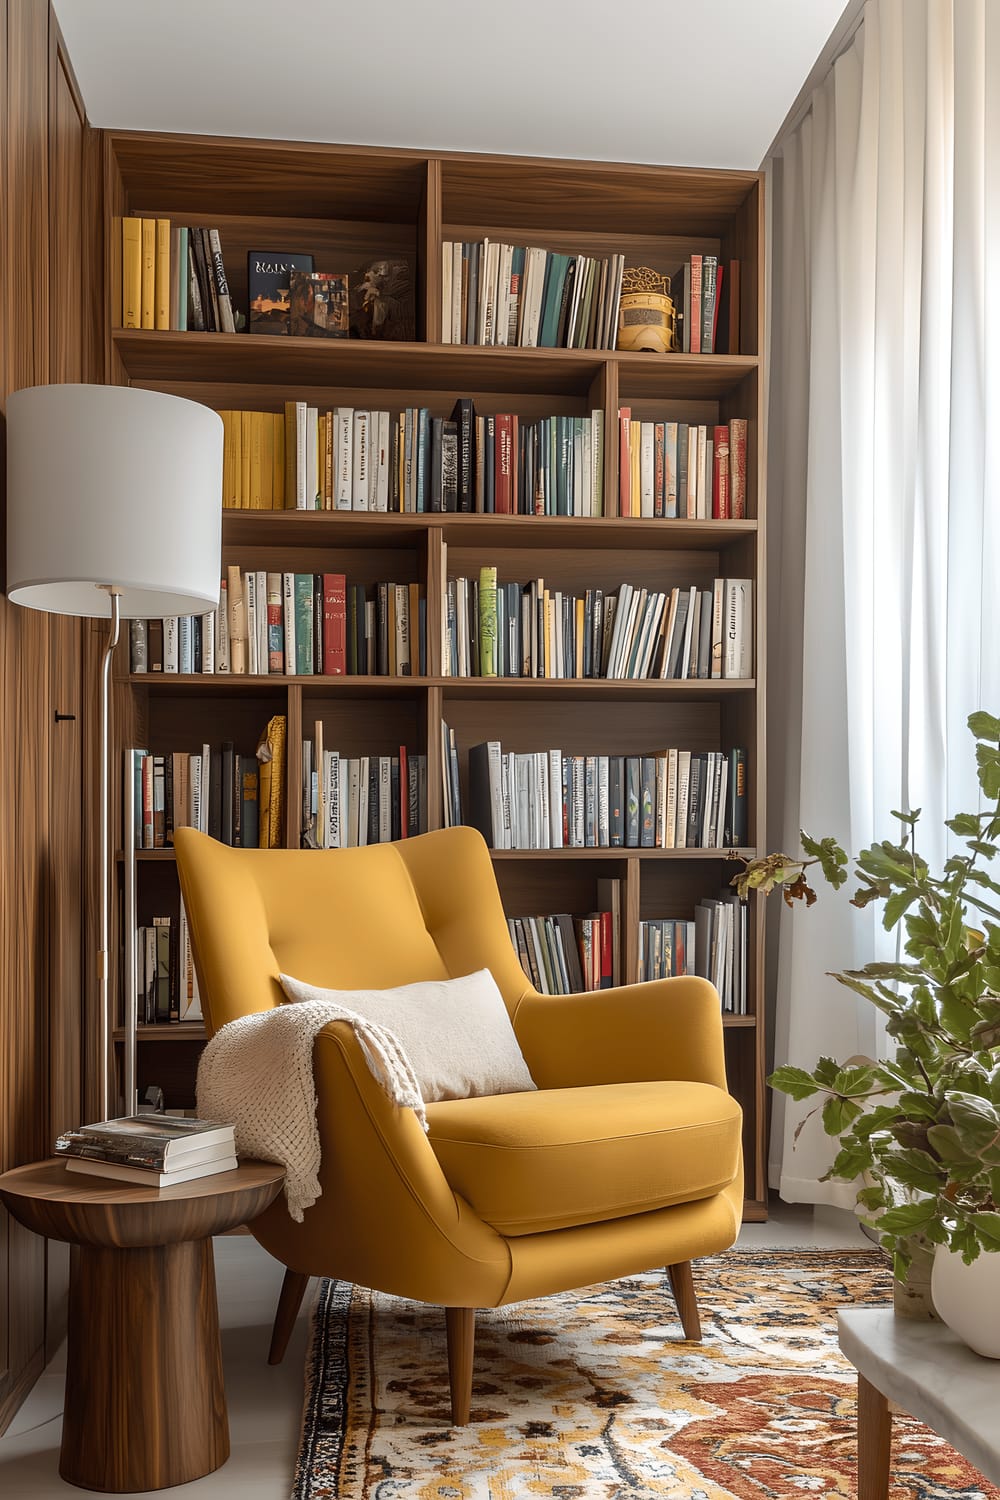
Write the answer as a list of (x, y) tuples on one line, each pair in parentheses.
[(161, 307), (266, 460), (328, 463), (246, 443), (635, 451), (237, 621), (290, 443), (227, 457), (271, 759), (147, 299), (278, 447), (255, 500), (131, 273)]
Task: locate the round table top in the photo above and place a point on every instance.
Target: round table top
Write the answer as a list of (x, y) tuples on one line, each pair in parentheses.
[(85, 1209)]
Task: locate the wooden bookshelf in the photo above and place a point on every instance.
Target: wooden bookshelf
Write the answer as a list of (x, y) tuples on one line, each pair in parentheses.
[(347, 204)]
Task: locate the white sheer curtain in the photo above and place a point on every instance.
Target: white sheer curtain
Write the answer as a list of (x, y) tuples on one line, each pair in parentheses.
[(884, 489)]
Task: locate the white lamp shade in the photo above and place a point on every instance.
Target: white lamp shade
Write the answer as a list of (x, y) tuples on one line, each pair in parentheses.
[(113, 485)]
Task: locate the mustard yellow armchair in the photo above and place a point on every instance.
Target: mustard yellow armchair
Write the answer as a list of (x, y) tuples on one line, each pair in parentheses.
[(628, 1156)]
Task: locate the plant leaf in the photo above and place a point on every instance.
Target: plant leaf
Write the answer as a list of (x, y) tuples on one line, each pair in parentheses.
[(795, 1082)]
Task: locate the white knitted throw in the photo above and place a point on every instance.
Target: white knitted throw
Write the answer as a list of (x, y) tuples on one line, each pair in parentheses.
[(257, 1074)]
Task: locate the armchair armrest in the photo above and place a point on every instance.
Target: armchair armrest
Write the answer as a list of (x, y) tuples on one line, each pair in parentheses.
[(666, 1028)]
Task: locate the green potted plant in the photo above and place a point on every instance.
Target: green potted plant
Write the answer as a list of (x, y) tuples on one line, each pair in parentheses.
[(921, 1130)]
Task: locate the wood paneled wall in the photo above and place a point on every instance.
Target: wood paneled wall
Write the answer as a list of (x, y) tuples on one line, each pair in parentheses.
[(48, 218)]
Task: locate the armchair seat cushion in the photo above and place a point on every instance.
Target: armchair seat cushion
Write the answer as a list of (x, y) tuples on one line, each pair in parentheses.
[(560, 1157)]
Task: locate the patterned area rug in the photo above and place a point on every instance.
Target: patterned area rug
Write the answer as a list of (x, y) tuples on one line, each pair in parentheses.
[(594, 1395)]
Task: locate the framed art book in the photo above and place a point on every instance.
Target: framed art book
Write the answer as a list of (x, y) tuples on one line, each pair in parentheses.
[(268, 273), (319, 305)]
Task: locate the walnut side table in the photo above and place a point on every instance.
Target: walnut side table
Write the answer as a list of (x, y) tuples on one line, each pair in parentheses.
[(145, 1402)]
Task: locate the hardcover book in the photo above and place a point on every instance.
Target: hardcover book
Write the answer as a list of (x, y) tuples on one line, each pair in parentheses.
[(319, 305), (268, 288)]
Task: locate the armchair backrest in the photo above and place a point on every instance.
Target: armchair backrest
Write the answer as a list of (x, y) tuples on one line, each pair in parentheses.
[(375, 917)]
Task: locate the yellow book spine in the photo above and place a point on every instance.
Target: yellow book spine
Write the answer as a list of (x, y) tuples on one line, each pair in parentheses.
[(147, 304), (290, 454), (635, 465), (266, 460), (227, 457), (256, 458), (131, 273), (278, 479), (328, 463), (264, 806), (161, 311), (246, 443)]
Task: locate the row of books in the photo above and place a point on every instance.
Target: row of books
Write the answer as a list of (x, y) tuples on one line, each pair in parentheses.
[(166, 984), (236, 798), (174, 277), (348, 801), (291, 624), (564, 955), (498, 294), (547, 799), (682, 470), (495, 629), (150, 1149), (702, 288), (715, 946), (354, 459)]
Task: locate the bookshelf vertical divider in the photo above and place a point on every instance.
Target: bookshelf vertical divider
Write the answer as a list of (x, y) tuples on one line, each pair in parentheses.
[(351, 205)]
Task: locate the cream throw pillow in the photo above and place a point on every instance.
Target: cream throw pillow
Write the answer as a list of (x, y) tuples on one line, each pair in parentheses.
[(455, 1032)]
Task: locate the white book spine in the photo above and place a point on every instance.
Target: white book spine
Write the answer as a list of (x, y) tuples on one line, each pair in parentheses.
[(331, 800), (301, 466), (359, 487), (288, 620), (646, 470), (208, 643), (555, 800), (222, 630), (262, 649), (385, 799), (170, 643), (383, 452), (344, 457), (250, 594), (446, 264)]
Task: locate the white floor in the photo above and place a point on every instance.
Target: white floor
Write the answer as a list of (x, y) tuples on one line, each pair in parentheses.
[(265, 1403)]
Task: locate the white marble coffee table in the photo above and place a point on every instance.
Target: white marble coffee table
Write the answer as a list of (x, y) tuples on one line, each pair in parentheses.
[(932, 1375)]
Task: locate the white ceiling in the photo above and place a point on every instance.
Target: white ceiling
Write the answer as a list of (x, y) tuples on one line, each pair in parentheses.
[(681, 82)]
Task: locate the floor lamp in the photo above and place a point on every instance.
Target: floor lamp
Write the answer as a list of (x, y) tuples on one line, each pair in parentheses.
[(114, 511)]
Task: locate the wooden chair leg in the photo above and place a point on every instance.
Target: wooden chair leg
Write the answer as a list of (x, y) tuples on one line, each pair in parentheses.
[(682, 1286), (293, 1289), (461, 1324)]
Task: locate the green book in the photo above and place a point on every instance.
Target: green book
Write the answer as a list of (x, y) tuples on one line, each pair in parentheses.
[(552, 304), (487, 622), (304, 624)]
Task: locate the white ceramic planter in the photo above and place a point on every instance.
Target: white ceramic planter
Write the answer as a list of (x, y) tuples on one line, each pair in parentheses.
[(967, 1298)]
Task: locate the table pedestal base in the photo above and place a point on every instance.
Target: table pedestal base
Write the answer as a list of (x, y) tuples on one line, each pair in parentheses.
[(145, 1402)]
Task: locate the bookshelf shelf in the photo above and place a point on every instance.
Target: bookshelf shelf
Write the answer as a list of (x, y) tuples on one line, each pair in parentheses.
[(258, 360), (296, 528), (346, 205)]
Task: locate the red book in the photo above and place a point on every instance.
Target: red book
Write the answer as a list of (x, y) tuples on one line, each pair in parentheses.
[(503, 485), (404, 794), (720, 473), (624, 461), (334, 625), (695, 337), (606, 958), (738, 468)]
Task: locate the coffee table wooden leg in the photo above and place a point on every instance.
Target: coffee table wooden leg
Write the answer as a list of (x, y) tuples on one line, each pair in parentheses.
[(145, 1402), (874, 1442)]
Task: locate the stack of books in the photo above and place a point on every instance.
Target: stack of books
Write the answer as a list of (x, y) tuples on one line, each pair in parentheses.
[(155, 1150)]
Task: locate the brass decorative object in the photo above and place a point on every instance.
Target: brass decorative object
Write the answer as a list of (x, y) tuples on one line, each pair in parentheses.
[(646, 318)]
